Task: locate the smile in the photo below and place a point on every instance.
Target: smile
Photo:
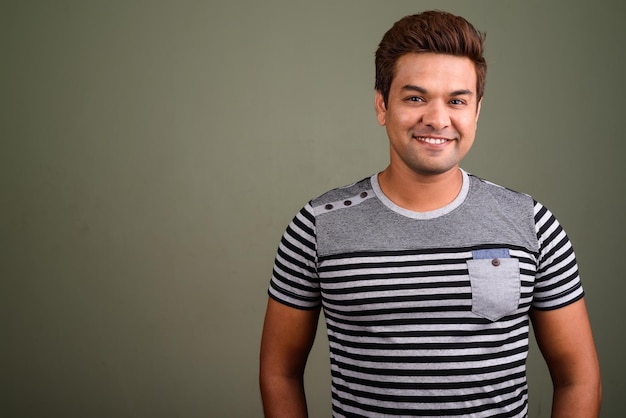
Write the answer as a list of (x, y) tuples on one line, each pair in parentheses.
[(434, 141)]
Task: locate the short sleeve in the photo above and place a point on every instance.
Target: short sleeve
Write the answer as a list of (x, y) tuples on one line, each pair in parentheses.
[(557, 280), (295, 280)]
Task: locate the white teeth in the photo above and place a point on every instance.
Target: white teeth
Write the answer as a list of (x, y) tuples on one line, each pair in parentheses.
[(434, 141)]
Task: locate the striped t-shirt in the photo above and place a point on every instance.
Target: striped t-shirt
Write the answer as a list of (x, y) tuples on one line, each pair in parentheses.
[(426, 313)]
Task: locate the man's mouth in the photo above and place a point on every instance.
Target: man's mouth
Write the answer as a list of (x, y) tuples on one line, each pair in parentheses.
[(433, 141)]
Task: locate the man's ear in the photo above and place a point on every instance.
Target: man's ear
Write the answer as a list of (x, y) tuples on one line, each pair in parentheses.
[(480, 102), (381, 109)]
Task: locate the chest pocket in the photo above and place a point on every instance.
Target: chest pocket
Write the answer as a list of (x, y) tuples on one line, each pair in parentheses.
[(496, 286)]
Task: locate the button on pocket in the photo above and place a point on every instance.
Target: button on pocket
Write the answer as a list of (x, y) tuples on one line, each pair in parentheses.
[(495, 286)]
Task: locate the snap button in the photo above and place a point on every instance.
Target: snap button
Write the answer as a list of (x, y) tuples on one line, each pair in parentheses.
[(328, 207), (347, 202), (495, 262), (363, 195)]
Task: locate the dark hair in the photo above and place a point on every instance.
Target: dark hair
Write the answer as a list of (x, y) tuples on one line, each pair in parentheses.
[(431, 31)]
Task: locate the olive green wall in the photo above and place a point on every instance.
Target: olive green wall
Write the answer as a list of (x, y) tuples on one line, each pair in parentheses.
[(152, 153)]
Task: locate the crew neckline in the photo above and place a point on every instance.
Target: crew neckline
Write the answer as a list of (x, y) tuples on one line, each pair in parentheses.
[(458, 200)]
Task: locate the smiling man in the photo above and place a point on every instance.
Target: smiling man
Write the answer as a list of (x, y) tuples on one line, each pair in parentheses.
[(428, 276)]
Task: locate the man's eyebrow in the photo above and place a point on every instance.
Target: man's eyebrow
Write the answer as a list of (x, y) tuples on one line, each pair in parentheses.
[(422, 90), (418, 89), (462, 92)]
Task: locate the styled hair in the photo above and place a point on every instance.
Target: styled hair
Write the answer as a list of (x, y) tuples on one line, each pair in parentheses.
[(431, 31)]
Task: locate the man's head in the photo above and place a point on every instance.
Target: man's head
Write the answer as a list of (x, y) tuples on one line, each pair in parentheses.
[(435, 32)]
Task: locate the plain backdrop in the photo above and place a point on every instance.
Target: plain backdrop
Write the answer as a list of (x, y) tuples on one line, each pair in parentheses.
[(152, 153)]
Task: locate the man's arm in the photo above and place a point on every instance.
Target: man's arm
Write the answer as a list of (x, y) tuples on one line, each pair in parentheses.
[(565, 340), (288, 336)]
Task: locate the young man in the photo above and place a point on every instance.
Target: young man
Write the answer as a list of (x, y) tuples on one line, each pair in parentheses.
[(427, 275)]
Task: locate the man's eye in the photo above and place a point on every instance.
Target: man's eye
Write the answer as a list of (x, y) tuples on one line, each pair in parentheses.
[(414, 99), (457, 102)]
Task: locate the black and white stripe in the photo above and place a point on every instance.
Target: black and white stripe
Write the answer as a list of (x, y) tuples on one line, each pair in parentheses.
[(403, 338)]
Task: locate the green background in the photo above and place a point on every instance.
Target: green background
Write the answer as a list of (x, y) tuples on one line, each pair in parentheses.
[(152, 153)]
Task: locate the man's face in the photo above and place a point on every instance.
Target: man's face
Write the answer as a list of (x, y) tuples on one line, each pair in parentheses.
[(432, 112)]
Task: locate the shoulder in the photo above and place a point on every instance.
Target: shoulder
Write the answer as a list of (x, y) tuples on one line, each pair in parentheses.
[(343, 196), (481, 185), (489, 193)]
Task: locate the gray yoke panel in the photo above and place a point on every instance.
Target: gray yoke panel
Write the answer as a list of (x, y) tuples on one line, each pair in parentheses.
[(354, 219)]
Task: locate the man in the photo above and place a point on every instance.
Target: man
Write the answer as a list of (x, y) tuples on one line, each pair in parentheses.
[(428, 276)]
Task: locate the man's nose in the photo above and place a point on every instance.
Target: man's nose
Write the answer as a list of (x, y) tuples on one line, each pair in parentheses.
[(436, 116)]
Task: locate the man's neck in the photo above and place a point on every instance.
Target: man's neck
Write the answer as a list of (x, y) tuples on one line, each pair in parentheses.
[(420, 193)]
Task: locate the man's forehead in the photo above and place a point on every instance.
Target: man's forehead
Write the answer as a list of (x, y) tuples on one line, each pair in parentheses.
[(419, 69)]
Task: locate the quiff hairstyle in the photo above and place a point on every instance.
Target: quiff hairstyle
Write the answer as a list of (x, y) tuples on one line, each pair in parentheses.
[(432, 31)]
